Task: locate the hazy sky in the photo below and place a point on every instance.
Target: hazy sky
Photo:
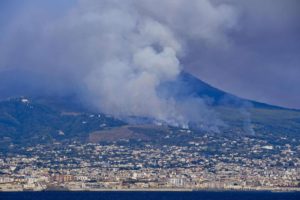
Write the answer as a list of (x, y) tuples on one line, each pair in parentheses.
[(250, 48), (262, 61)]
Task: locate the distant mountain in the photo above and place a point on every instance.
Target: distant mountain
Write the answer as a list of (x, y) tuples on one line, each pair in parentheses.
[(22, 119), (42, 119), (186, 85), (240, 115)]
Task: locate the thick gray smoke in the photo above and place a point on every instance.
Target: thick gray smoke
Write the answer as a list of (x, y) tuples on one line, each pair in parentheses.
[(114, 53)]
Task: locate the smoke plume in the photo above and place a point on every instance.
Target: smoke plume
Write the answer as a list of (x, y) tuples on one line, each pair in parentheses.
[(113, 54)]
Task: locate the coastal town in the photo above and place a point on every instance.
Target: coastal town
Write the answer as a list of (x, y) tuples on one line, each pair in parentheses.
[(206, 163)]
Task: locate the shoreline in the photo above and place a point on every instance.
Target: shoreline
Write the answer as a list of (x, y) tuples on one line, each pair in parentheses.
[(161, 190)]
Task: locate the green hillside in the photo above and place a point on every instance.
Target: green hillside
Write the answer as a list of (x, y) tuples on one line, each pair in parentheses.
[(22, 119)]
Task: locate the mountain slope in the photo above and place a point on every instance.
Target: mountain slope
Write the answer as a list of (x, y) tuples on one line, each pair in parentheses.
[(22, 118), (187, 85), (43, 119)]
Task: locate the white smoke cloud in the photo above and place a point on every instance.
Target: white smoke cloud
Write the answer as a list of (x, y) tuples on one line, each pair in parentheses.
[(115, 53)]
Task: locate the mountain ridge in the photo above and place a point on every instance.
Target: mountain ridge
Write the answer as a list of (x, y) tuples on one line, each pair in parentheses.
[(43, 119), (188, 85)]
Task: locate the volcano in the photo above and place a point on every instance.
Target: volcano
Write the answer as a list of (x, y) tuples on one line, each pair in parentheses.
[(187, 85), (43, 119)]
